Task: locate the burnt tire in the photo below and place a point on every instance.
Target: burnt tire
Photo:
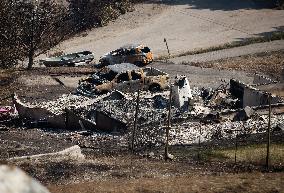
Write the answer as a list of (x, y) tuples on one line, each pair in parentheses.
[(155, 88)]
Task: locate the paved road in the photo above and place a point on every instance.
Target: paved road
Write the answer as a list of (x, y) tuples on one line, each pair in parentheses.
[(203, 77), (232, 52)]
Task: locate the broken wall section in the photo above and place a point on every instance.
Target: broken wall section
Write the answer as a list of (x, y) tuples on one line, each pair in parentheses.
[(250, 96)]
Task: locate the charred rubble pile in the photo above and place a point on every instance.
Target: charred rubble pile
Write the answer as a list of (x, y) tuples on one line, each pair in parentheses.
[(196, 115)]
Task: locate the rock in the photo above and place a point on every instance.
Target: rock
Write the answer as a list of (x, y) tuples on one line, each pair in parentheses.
[(14, 180)]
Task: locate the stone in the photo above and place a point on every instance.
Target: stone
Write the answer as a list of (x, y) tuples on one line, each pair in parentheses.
[(14, 180)]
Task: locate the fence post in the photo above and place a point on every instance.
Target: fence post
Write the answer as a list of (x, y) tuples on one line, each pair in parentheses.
[(268, 133), (169, 125), (167, 47), (198, 153), (135, 120), (236, 145)]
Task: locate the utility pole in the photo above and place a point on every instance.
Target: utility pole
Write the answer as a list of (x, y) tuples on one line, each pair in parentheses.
[(168, 125), (268, 132), (135, 121)]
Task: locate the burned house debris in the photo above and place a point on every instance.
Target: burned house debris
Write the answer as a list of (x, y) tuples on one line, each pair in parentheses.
[(105, 105), (250, 96), (137, 54), (181, 93)]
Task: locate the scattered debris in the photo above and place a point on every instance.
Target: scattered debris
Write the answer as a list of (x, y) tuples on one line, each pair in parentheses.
[(7, 113), (261, 80), (279, 127), (38, 116), (197, 114), (244, 114)]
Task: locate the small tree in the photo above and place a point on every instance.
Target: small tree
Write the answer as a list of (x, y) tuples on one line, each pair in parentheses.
[(41, 25), (29, 27), (10, 51)]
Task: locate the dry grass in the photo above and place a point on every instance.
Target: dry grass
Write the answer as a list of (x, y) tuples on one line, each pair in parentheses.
[(250, 154), (247, 182), (159, 176), (269, 63)]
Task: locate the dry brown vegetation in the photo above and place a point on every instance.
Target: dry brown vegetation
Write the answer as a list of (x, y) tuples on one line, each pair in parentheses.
[(233, 183), (269, 63)]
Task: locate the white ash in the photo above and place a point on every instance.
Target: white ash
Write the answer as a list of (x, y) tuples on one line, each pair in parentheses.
[(188, 133), (67, 100)]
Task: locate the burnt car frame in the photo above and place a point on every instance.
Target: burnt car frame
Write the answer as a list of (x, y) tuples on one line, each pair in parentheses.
[(137, 54), (73, 59), (124, 77)]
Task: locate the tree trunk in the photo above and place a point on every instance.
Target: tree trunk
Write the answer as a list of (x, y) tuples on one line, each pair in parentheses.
[(31, 59)]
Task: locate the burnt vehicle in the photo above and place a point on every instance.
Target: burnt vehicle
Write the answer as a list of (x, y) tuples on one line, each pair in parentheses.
[(74, 59), (139, 55), (124, 77)]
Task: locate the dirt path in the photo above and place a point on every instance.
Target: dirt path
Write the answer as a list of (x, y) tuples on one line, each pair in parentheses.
[(187, 25)]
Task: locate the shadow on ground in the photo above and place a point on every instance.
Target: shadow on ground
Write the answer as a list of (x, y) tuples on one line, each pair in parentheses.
[(277, 33), (225, 5)]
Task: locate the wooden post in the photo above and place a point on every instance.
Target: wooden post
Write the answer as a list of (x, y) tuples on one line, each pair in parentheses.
[(236, 145), (167, 47), (135, 121), (268, 133), (168, 125), (198, 153)]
